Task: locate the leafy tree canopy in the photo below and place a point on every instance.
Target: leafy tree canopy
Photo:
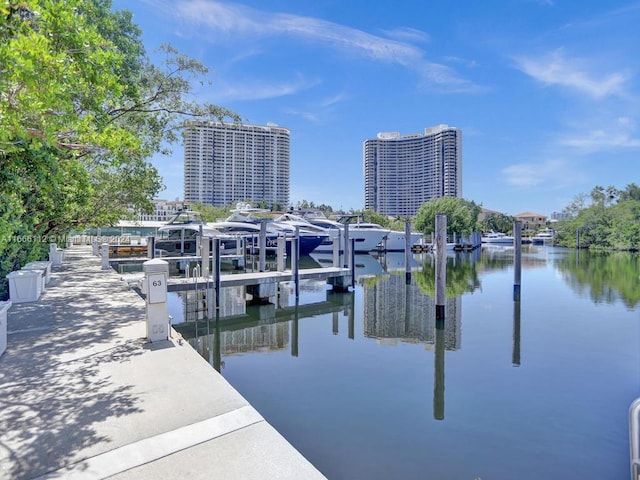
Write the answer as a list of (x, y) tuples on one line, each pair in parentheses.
[(611, 221), (81, 110), (462, 215)]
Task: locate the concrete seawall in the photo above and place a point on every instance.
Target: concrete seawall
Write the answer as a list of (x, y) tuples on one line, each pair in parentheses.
[(83, 395)]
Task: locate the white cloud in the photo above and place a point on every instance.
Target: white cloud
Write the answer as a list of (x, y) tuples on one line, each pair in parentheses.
[(573, 73), (553, 173), (406, 34), (259, 90), (619, 133), (236, 20)]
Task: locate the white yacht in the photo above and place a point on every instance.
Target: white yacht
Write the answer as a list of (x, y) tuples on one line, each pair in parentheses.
[(179, 235), (543, 237), (244, 220), (365, 240), (497, 238)]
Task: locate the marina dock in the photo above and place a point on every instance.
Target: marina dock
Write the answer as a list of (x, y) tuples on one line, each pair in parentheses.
[(84, 395)]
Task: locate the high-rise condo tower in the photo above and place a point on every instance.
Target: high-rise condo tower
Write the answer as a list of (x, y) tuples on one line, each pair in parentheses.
[(401, 172), (227, 162)]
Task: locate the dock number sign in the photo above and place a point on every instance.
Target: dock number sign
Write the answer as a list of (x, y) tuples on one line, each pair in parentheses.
[(157, 290)]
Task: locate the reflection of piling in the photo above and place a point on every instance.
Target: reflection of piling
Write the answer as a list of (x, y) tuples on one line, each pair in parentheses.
[(294, 331), (441, 264), (335, 323), (351, 316), (438, 375), (217, 353), (407, 252), (517, 263), (516, 334)]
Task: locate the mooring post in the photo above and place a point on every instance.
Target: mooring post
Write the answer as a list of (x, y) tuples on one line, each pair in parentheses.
[(352, 261), (346, 246), (94, 247), (336, 251), (205, 246), (280, 253), (517, 263), (216, 270), (262, 247), (295, 260), (156, 273), (441, 265), (104, 251), (407, 252), (151, 247)]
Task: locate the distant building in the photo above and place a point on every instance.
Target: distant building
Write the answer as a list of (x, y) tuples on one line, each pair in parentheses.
[(531, 221), (226, 162), (163, 210), (560, 216), (485, 212), (401, 172)]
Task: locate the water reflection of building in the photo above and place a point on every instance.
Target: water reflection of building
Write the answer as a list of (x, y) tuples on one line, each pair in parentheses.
[(395, 311), (263, 338)]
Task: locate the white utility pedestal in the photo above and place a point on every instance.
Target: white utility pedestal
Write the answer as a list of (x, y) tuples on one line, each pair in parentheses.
[(4, 306), (154, 285), (104, 251), (43, 275), (55, 254), (25, 285), (94, 247), (40, 265)]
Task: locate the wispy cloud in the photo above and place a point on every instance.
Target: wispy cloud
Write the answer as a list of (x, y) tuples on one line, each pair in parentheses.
[(258, 90), (407, 34), (620, 133), (573, 73), (235, 20), (554, 173)]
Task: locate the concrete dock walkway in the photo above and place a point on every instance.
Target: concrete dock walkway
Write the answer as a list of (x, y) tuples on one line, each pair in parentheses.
[(83, 395)]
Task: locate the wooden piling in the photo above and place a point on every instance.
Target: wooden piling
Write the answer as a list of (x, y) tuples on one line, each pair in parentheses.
[(407, 252), (262, 246)]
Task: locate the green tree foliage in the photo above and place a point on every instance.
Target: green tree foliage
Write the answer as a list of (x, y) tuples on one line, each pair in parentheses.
[(390, 223), (497, 222), (81, 110), (610, 222), (462, 215), (210, 213)]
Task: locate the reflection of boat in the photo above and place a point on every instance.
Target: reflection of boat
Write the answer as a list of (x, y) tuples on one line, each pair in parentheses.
[(365, 240), (179, 235), (543, 237), (497, 238)]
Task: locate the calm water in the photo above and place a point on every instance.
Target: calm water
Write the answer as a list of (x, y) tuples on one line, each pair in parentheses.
[(364, 385)]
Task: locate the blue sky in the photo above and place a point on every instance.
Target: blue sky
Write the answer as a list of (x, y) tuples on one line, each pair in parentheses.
[(546, 92)]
